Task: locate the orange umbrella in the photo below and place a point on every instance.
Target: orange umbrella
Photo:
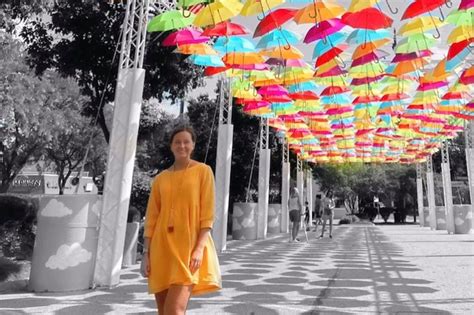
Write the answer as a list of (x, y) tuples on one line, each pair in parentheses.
[(367, 48), (318, 11), (242, 58), (197, 49), (282, 52)]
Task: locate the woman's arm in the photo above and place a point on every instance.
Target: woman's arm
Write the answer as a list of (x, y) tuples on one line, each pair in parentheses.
[(196, 256)]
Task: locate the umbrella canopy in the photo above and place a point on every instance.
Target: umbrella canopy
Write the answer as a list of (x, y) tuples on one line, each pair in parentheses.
[(369, 18), (278, 37), (323, 29), (217, 12), (170, 20), (242, 58), (421, 6), (283, 52), (185, 36), (318, 12), (225, 28), (274, 20), (207, 60), (233, 44), (196, 49), (253, 7)]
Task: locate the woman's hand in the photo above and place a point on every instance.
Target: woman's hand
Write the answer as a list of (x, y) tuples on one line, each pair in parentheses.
[(196, 260), (145, 265)]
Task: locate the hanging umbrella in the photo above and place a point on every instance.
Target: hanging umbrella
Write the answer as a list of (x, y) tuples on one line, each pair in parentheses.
[(217, 12), (207, 60), (466, 4), (323, 29), (196, 49), (188, 3), (254, 7), (421, 6), (357, 5), (369, 18), (278, 37), (274, 20), (236, 58), (461, 33), (233, 44), (283, 52), (170, 20), (457, 48), (185, 36), (461, 17), (225, 28), (330, 41), (330, 55), (317, 12), (467, 77), (420, 24)]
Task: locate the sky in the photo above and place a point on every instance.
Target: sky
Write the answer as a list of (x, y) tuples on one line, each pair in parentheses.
[(251, 23)]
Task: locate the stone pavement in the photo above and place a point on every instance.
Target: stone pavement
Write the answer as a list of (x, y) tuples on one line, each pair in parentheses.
[(364, 269)]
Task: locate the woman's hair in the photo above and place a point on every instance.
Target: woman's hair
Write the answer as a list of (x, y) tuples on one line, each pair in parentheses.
[(187, 129)]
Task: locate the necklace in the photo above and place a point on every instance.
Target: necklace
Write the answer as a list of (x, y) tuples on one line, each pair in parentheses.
[(180, 182)]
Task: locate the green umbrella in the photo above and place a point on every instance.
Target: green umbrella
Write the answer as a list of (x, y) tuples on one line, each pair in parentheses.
[(414, 43), (461, 17), (170, 20)]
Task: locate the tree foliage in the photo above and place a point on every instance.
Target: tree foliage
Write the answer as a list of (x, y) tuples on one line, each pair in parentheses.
[(64, 43)]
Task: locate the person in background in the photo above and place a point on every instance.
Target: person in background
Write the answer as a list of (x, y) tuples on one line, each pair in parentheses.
[(294, 205), (317, 212), (179, 257), (327, 206)]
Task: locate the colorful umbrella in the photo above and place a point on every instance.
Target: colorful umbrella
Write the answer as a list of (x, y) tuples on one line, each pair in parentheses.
[(274, 20), (225, 28), (170, 20)]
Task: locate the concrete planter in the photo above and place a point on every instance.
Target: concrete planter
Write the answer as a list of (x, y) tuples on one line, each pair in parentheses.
[(462, 219), (274, 214), (426, 214), (441, 218), (66, 243), (244, 221)]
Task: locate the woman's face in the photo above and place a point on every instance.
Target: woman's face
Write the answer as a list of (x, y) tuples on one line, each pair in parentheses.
[(182, 145)]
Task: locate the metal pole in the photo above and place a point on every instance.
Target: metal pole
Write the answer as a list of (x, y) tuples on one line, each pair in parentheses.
[(469, 134), (122, 146), (431, 193), (285, 187), (263, 181), (447, 187), (309, 195), (223, 167), (300, 180), (419, 194)]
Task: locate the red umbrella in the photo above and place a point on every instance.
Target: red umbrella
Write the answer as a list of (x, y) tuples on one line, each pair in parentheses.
[(225, 28), (209, 71), (369, 18), (364, 59), (421, 6), (274, 20), (185, 36), (305, 95), (466, 4), (456, 48), (332, 90), (330, 55)]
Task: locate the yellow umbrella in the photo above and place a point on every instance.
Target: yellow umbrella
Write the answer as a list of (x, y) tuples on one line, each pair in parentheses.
[(358, 5), (318, 12), (236, 58), (196, 49), (420, 25), (282, 52), (461, 33), (216, 12), (253, 7)]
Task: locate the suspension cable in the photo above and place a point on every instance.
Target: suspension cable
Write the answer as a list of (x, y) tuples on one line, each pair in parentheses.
[(253, 163)]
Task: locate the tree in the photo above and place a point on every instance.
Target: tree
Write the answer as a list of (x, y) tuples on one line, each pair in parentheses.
[(25, 105), (80, 41)]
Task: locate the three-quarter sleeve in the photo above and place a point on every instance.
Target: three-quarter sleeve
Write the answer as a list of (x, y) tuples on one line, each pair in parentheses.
[(152, 210), (206, 216)]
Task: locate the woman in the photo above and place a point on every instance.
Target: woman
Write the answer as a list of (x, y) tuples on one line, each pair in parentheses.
[(294, 205), (327, 206), (179, 258)]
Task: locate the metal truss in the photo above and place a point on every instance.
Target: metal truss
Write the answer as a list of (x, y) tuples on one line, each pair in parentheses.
[(263, 134), (469, 135), (225, 108), (419, 171), (445, 152), (429, 164), (299, 164), (285, 152)]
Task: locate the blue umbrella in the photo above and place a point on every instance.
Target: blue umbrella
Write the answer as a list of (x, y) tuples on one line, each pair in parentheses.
[(324, 46), (303, 86), (361, 36), (278, 37), (456, 61), (207, 60), (225, 45)]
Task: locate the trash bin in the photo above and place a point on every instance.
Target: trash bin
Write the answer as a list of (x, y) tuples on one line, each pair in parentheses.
[(244, 221), (66, 243)]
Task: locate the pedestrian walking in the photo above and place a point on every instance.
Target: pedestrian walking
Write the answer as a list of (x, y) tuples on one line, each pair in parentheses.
[(317, 212), (294, 204), (327, 206), (180, 258)]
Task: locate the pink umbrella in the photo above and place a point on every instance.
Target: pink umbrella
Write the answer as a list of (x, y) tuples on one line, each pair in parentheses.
[(365, 59), (185, 36), (295, 63), (323, 29), (257, 66), (431, 86), (466, 4), (411, 56), (272, 90)]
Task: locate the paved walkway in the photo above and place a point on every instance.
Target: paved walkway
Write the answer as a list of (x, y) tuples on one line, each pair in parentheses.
[(383, 269)]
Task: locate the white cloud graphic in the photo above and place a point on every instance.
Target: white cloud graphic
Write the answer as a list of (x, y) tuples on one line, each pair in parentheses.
[(248, 223), (56, 209), (458, 221), (68, 256)]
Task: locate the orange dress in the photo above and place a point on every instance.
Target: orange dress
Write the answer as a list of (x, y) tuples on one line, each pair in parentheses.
[(188, 197)]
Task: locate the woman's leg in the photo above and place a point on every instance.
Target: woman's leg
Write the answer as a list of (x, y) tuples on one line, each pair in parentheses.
[(330, 226), (160, 298), (177, 299), (324, 226), (294, 230)]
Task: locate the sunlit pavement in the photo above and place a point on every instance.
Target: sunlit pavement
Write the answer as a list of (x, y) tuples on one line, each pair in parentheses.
[(364, 269)]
